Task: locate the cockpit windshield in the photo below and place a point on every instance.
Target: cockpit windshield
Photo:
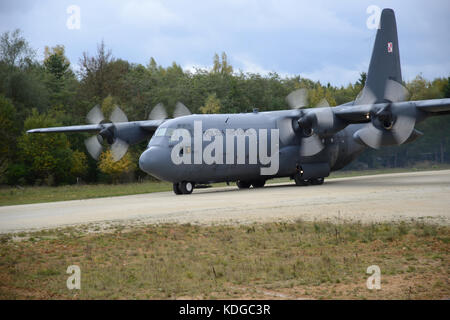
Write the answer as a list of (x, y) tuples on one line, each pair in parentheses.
[(164, 132)]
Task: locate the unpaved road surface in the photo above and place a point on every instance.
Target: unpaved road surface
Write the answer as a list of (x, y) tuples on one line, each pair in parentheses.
[(420, 196)]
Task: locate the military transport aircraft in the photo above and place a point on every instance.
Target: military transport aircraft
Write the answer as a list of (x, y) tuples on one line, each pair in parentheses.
[(193, 150)]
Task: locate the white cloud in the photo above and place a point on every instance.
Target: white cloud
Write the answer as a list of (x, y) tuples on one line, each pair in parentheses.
[(428, 71), (246, 65), (193, 67), (140, 13), (320, 39), (335, 75)]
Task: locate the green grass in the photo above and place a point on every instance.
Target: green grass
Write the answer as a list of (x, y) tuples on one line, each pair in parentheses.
[(316, 260), (38, 194), (32, 194)]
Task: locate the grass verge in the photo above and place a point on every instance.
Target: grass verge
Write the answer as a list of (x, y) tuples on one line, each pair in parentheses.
[(317, 260)]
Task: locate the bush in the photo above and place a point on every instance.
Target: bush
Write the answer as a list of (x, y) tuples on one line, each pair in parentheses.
[(16, 174)]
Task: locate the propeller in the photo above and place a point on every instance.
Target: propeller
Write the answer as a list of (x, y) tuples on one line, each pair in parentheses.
[(307, 127), (159, 111), (108, 133), (391, 123)]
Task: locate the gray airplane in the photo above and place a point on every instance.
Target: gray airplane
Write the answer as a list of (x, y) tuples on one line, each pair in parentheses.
[(193, 151)]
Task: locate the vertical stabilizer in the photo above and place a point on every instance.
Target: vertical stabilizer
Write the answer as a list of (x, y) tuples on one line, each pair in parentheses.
[(385, 61)]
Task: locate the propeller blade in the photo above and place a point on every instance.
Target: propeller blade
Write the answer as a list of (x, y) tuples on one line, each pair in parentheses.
[(181, 110), (323, 103), (158, 112), (395, 92), (311, 146), (93, 146), (297, 99), (365, 96), (118, 115), (324, 119), (118, 149), (369, 135), (286, 130), (95, 116), (404, 125)]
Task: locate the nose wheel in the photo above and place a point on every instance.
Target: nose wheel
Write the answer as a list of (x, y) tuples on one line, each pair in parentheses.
[(185, 187)]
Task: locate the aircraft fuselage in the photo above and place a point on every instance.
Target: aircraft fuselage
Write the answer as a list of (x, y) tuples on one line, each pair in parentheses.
[(232, 165)]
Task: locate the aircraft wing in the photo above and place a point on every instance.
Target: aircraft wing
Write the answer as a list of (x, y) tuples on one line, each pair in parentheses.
[(390, 123), (82, 128), (147, 125), (150, 125), (435, 106), (360, 113), (119, 135)]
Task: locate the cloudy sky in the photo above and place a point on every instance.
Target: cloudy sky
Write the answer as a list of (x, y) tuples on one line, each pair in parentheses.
[(321, 40)]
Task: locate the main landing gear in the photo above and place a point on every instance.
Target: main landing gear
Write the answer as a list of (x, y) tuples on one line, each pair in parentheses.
[(246, 184), (299, 181), (185, 187)]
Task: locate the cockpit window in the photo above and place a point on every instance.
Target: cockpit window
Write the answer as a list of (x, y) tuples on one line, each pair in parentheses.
[(164, 132)]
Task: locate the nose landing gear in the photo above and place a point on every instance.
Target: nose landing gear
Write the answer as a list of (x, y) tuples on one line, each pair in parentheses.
[(185, 187)]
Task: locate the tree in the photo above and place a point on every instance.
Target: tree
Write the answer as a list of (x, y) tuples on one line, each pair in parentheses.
[(447, 89), (93, 71), (226, 68), (56, 62), (212, 104), (79, 164), (362, 80), (8, 131), (216, 64), (152, 66), (115, 169), (319, 93), (221, 67), (107, 106), (48, 158), (14, 49)]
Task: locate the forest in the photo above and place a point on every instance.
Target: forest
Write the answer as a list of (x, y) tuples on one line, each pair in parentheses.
[(56, 92)]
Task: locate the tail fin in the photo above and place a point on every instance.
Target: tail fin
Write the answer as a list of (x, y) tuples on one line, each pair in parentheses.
[(385, 61)]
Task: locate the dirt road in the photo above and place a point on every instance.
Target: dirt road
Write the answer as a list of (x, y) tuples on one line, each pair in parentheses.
[(423, 196)]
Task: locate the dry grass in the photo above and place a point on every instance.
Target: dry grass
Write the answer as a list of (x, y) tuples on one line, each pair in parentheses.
[(270, 261)]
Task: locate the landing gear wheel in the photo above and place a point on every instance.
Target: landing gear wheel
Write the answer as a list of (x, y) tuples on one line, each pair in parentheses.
[(176, 188), (243, 184), (316, 181), (186, 187), (258, 183), (299, 181)]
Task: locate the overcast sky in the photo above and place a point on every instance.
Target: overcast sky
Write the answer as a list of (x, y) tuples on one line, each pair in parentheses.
[(321, 40)]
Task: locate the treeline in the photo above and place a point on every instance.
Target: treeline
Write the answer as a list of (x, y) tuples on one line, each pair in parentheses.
[(49, 93)]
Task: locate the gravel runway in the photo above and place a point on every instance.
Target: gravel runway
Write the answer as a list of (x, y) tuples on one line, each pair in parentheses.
[(420, 196)]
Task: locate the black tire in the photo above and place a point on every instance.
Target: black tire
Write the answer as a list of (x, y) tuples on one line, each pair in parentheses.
[(176, 188), (186, 187), (243, 184), (317, 181), (299, 181), (258, 183)]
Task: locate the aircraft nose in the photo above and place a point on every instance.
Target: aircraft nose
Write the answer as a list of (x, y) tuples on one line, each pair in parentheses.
[(149, 160)]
